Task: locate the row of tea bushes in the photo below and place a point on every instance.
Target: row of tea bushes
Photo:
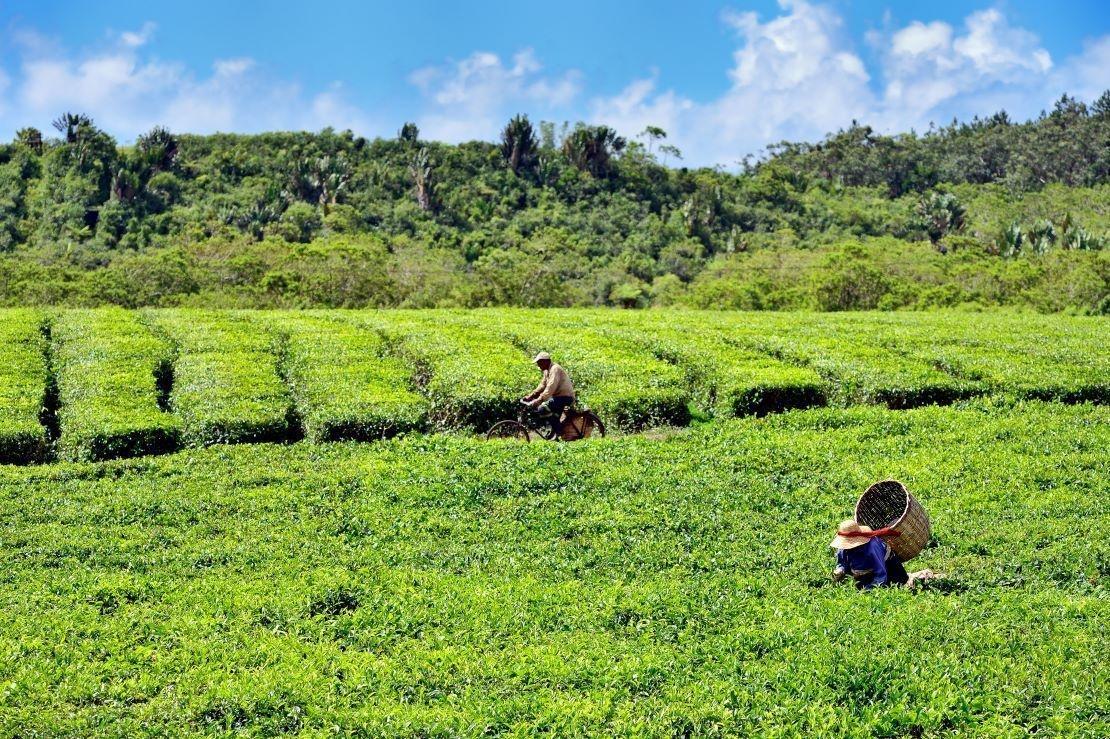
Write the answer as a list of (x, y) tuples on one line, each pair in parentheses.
[(471, 375), (1041, 359), (619, 379), (724, 376), (344, 385), (24, 379), (857, 366), (226, 386), (109, 367)]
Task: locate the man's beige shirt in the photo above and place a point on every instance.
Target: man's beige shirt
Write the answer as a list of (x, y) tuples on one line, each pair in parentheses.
[(555, 382)]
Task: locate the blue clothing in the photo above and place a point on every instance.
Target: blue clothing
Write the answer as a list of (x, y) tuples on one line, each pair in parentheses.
[(872, 565)]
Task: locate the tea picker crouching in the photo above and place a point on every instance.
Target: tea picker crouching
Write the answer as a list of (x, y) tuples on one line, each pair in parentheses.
[(861, 553)]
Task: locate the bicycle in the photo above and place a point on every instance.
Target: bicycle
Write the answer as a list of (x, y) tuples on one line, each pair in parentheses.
[(574, 425)]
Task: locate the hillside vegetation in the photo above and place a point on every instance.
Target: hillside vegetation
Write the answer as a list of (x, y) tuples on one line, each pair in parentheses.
[(989, 212), (88, 385)]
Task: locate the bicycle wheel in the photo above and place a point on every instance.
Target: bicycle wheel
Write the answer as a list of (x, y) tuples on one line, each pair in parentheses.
[(594, 426), (508, 430)]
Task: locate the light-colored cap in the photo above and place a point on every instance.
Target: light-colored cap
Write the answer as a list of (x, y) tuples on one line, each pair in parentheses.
[(540, 357), (844, 539)]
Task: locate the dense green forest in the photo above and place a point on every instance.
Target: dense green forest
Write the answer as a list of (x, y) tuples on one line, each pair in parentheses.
[(981, 213)]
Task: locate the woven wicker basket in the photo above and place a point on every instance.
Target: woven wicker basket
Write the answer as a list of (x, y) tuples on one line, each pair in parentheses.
[(889, 504)]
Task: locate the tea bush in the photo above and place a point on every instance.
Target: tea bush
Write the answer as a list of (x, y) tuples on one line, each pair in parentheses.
[(23, 386), (240, 376), (619, 379), (471, 375), (108, 366), (343, 384), (1043, 359), (226, 387), (727, 379), (627, 586)]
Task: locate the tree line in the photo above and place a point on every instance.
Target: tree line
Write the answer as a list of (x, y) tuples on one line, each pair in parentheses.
[(546, 215)]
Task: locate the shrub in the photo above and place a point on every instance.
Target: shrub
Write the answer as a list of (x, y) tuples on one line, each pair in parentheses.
[(620, 380), (226, 385), (343, 384), (23, 386), (109, 367), (471, 375)]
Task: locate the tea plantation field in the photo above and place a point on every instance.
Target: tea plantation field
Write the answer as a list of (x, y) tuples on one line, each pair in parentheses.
[(258, 524), (89, 385)]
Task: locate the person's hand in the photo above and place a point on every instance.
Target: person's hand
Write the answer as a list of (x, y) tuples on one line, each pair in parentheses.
[(838, 575)]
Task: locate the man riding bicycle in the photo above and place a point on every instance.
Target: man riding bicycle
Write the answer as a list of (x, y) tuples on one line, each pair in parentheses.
[(554, 394)]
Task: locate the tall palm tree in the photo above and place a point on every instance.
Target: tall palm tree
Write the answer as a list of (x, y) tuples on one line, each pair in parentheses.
[(409, 133), (31, 138), (422, 169), (71, 126), (518, 144), (591, 149), (158, 149)]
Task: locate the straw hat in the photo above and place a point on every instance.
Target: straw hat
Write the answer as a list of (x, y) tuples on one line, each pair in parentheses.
[(540, 357), (848, 526)]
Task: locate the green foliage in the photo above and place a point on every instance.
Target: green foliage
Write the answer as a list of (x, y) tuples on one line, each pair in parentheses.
[(23, 386), (242, 376), (519, 146), (623, 587), (620, 380), (726, 378), (579, 217), (226, 388), (857, 359), (344, 385), (849, 282), (471, 375), (112, 374), (592, 148), (941, 214)]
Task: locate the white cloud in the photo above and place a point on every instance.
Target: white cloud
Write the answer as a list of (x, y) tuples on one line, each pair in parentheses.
[(796, 77), (472, 97), (793, 76), (995, 48), (135, 39), (921, 38), (1085, 75), (127, 92)]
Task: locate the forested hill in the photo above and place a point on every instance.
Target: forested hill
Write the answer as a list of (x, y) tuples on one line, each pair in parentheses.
[(989, 212)]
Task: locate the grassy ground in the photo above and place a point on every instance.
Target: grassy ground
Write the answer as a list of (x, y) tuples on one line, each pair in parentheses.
[(677, 586)]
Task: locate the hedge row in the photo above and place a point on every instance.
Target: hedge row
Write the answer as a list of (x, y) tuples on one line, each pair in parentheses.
[(23, 385), (344, 385), (619, 379), (727, 379), (1045, 360), (226, 387), (109, 368), (471, 375), (858, 365)]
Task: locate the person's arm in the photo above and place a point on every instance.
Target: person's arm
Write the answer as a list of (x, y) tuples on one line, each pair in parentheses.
[(539, 389), (878, 565), (841, 565), (551, 382)]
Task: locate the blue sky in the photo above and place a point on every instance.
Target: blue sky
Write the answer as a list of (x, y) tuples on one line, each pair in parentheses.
[(724, 79)]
